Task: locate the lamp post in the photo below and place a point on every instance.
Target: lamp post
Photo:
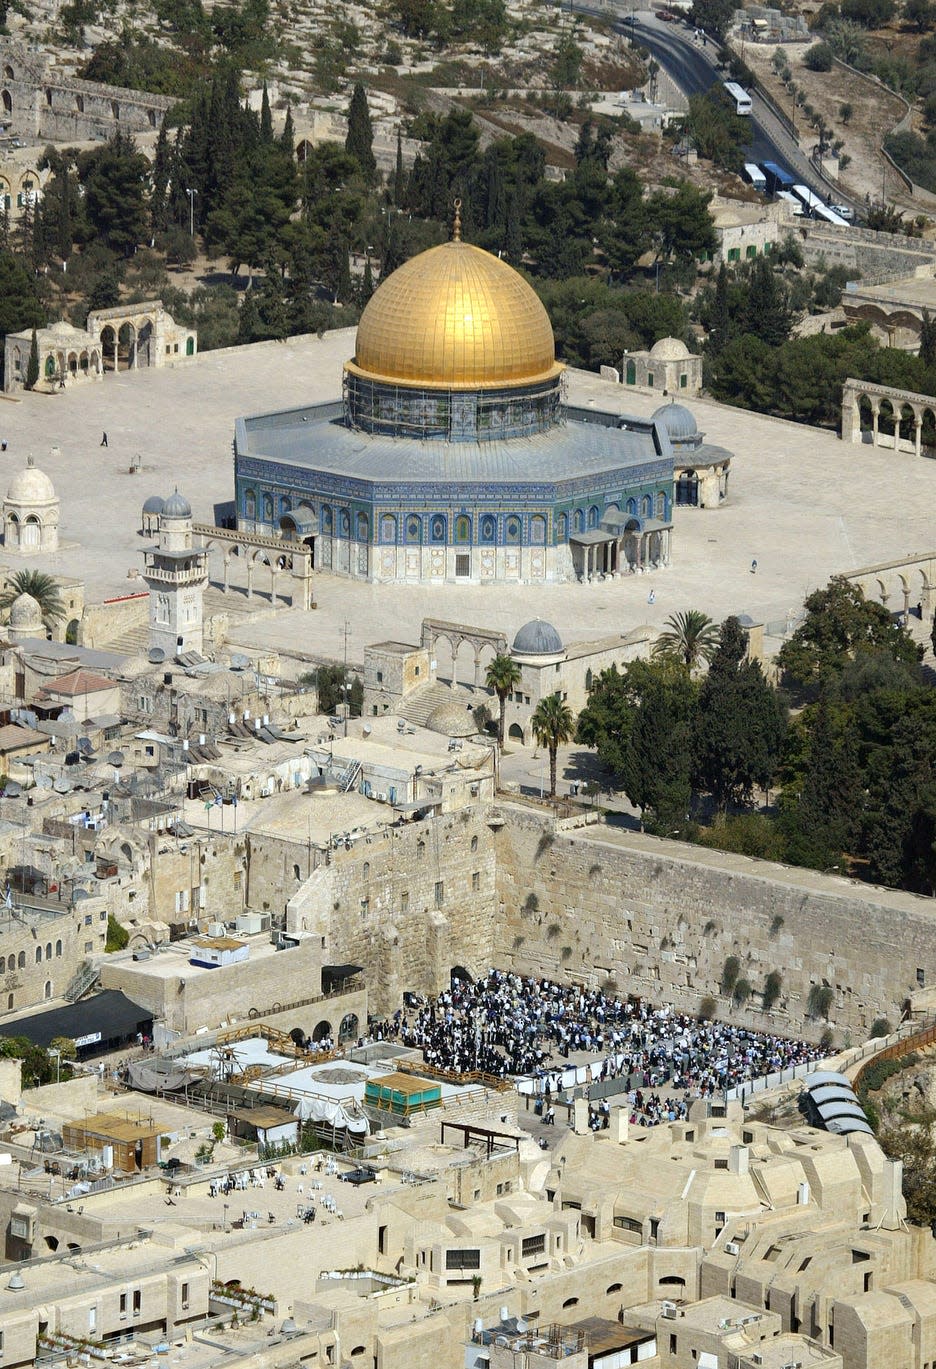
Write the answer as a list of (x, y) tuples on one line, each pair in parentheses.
[(191, 199)]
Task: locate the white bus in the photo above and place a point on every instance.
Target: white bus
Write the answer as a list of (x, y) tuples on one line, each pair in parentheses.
[(816, 207), (738, 96), (791, 200), (753, 173)]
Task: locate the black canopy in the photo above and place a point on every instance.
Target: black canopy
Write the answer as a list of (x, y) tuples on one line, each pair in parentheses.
[(102, 1023)]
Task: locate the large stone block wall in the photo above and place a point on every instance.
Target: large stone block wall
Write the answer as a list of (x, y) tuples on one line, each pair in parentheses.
[(38, 103), (660, 919), (407, 904)]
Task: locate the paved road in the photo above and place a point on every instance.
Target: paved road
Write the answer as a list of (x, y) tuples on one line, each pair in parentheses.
[(693, 67)]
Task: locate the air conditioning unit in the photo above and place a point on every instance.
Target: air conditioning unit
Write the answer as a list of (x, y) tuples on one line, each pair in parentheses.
[(732, 1248), (757, 1359), (668, 1310)]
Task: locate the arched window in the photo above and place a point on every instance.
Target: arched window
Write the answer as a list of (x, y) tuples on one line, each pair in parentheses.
[(362, 527), (538, 530), (437, 528), (630, 373), (48, 988), (646, 506), (38, 955), (268, 508), (285, 503), (344, 523), (58, 951), (48, 950), (21, 960), (2, 964), (578, 520), (488, 530), (414, 528), (328, 521), (589, 677), (388, 528), (661, 505), (562, 527), (632, 506), (512, 530), (462, 528), (593, 516), (348, 1028)]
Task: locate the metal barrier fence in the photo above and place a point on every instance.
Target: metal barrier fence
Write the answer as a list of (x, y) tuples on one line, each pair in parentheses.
[(911, 1042)]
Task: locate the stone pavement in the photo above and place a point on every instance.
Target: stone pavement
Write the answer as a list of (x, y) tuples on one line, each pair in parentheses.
[(800, 502)]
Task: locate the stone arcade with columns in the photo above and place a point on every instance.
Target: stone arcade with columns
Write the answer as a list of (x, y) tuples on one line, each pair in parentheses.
[(452, 455), (125, 338), (883, 416)]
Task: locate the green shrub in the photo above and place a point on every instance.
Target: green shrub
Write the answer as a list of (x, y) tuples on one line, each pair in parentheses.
[(117, 935), (729, 974), (879, 1027), (820, 1001), (707, 1008), (772, 986), (818, 57), (742, 992)]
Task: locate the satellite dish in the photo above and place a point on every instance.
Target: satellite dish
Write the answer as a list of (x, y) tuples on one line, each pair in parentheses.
[(115, 758), (13, 790), (80, 894), (155, 655), (239, 661), (62, 785), (43, 781)]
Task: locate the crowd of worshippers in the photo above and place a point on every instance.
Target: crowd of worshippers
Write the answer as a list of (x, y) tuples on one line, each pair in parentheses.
[(508, 1025)]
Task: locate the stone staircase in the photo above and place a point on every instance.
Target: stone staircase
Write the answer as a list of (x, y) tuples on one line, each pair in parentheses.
[(134, 642), (422, 703)]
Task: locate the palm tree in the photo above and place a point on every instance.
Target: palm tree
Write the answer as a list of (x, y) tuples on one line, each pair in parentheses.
[(502, 676), (43, 588), (553, 725), (690, 637)]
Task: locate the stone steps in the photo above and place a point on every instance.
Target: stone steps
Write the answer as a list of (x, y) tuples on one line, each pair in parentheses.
[(422, 703)]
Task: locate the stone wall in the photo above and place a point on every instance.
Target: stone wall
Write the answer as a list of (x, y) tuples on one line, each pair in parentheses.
[(660, 918), (862, 250), (407, 903)]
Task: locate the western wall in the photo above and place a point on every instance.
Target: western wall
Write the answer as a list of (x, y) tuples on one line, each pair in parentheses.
[(504, 885)]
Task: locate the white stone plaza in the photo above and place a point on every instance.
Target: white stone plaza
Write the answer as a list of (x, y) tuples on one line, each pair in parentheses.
[(800, 502)]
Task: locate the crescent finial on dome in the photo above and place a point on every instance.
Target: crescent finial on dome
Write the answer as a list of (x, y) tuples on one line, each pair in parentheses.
[(456, 221)]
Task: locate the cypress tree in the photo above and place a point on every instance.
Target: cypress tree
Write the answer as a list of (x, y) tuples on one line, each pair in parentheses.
[(367, 284), (768, 315), (721, 320), (266, 117), (399, 175), (344, 288), (32, 366), (359, 142), (513, 237), (288, 136), (162, 169), (248, 319), (928, 340)]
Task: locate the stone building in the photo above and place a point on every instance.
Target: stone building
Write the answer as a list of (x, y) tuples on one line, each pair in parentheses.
[(701, 468), (451, 456), (30, 513), (37, 103), (668, 366), (125, 338)]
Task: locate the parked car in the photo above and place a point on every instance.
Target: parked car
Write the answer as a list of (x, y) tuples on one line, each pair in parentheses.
[(844, 211)]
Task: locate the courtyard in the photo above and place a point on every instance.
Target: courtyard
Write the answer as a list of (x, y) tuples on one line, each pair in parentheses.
[(800, 503)]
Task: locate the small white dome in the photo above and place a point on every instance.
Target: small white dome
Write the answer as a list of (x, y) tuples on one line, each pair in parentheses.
[(31, 486), (25, 612), (669, 349)]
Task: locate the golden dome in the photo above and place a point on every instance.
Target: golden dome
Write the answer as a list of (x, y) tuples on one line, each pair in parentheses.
[(456, 318)]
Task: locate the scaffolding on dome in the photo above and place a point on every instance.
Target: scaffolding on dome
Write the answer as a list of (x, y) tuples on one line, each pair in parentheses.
[(383, 407)]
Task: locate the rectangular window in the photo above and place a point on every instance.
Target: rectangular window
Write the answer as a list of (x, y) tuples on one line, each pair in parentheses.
[(462, 565), (439, 893), (123, 1304), (185, 1296), (380, 677), (404, 901), (463, 1259), (137, 1302), (734, 253), (533, 1245), (475, 882), (381, 1240)]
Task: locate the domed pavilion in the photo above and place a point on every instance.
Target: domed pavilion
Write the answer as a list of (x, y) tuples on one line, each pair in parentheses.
[(30, 513), (452, 455)]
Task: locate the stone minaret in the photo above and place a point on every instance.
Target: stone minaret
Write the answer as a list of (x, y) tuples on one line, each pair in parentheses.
[(176, 574)]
